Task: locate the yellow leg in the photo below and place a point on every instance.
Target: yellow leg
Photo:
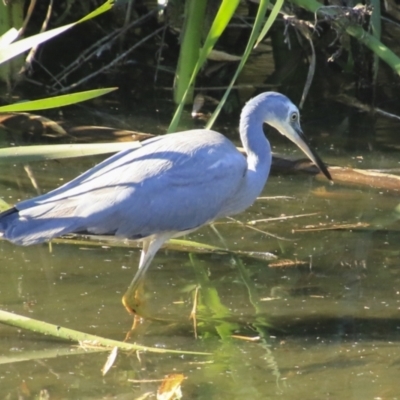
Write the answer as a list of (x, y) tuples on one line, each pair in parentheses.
[(151, 245)]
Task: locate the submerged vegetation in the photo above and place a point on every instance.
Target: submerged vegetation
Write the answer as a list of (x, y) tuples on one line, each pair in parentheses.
[(214, 58)]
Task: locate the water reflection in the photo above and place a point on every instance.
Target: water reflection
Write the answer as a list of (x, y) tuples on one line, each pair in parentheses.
[(323, 323)]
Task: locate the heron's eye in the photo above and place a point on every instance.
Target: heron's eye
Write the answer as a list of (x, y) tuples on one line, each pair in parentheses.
[(294, 117)]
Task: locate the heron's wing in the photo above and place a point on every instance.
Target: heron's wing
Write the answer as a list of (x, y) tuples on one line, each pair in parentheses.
[(169, 184), (192, 192)]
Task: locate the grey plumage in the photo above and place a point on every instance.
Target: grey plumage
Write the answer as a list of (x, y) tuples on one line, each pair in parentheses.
[(171, 185)]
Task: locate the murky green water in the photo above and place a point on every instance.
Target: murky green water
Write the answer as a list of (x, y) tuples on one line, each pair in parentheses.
[(323, 317)]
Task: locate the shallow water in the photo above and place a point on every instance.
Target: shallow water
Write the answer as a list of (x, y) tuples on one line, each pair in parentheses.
[(324, 316)]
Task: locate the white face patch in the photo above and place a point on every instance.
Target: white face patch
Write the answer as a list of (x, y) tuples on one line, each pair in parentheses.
[(284, 123), (280, 125)]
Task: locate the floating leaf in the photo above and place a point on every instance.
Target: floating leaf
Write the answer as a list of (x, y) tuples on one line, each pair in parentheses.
[(110, 360), (170, 388), (34, 125)]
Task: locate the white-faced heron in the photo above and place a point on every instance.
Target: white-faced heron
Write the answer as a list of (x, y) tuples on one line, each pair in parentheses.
[(170, 186)]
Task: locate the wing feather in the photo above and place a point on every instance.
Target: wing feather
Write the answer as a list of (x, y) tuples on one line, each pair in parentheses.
[(172, 183)]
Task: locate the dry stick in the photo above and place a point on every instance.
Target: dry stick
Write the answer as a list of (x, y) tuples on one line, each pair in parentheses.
[(219, 236), (350, 101), (160, 53), (94, 49), (31, 55), (65, 13), (275, 198), (60, 332), (311, 71), (255, 221), (27, 18), (108, 66), (388, 20), (194, 311), (259, 230), (84, 57), (32, 178), (303, 27), (334, 227), (14, 357), (128, 13)]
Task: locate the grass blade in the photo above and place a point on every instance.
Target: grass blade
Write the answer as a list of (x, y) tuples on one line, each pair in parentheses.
[(190, 47), (12, 50), (224, 15), (272, 17), (54, 152), (58, 101), (256, 32), (60, 332)]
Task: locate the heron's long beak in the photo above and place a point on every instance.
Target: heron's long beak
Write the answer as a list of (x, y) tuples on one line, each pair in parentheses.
[(297, 137)]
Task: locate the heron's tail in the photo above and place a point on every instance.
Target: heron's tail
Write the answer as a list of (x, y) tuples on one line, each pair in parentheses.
[(35, 225)]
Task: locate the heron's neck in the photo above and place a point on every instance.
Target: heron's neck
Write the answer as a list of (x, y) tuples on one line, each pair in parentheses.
[(258, 165), (256, 145)]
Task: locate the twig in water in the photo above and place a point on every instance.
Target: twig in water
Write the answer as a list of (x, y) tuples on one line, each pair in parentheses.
[(259, 230), (283, 218), (194, 310), (32, 178)]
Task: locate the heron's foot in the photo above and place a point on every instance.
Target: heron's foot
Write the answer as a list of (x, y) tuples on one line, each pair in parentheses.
[(131, 301), (135, 323)]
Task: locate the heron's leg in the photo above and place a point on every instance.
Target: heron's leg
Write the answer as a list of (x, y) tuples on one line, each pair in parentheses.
[(150, 247)]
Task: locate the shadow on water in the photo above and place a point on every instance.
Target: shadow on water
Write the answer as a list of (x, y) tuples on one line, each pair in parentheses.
[(321, 320)]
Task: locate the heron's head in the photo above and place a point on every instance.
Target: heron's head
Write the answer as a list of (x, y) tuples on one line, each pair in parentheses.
[(278, 111)]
